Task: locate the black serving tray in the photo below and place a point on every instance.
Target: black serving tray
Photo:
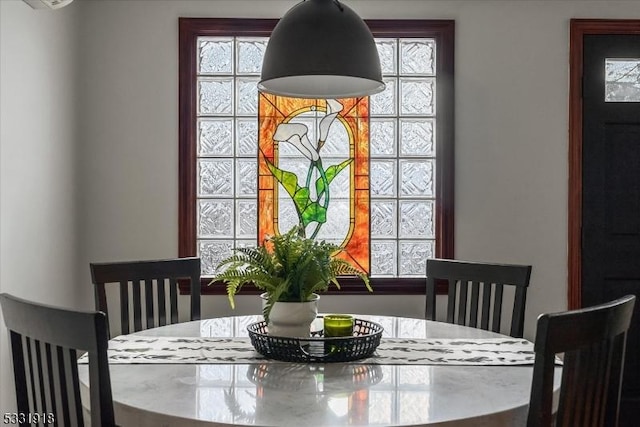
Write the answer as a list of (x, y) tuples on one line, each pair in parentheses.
[(317, 348)]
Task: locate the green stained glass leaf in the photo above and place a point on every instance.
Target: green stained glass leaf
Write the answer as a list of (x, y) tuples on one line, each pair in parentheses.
[(331, 172), (289, 180), (301, 198), (314, 213), (299, 195)]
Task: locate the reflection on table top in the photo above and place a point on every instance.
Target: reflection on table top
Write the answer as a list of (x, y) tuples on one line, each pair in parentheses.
[(288, 394)]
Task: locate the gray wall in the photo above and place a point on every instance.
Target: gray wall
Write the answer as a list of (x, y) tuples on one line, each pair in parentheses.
[(121, 99), (38, 182)]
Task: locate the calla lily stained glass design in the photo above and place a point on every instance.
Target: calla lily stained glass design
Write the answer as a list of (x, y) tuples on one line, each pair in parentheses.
[(313, 171)]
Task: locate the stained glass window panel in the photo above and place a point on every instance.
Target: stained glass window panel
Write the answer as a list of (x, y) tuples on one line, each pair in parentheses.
[(336, 231), (313, 171)]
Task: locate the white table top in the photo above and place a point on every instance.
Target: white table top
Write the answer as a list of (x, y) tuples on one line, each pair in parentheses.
[(270, 394)]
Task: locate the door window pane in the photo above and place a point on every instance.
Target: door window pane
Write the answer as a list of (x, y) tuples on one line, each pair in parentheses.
[(622, 80)]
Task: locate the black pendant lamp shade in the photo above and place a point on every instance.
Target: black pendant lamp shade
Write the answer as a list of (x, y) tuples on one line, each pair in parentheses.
[(321, 49)]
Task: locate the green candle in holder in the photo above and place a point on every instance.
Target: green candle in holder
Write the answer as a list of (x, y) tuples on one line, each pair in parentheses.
[(338, 325)]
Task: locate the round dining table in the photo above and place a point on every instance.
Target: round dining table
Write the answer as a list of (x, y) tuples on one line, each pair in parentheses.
[(312, 394)]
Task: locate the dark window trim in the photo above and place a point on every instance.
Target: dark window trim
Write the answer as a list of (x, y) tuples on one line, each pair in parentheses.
[(441, 30)]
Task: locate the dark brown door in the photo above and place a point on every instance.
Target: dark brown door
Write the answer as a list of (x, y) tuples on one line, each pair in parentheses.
[(611, 188)]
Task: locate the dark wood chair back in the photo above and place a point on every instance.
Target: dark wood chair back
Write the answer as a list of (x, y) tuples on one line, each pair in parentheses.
[(476, 292), (157, 299), (593, 342), (45, 342)]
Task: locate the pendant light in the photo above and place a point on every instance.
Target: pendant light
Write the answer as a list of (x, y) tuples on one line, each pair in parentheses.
[(321, 49)]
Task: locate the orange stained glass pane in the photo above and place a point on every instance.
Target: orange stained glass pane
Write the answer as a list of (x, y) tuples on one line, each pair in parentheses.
[(313, 166)]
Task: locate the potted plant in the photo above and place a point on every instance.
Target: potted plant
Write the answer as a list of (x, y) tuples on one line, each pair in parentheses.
[(291, 270)]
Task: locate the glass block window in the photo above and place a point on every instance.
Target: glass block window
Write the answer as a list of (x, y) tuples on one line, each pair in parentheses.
[(622, 80), (392, 199), (227, 139), (403, 154)]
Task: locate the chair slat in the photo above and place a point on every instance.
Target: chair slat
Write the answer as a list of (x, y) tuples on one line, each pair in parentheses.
[(486, 305), (462, 304), (50, 376), (42, 380), (148, 298), (451, 302), (517, 314), (616, 364), (498, 291), (63, 379), (20, 371), (75, 386), (162, 309), (124, 307), (431, 299), (167, 272), (600, 380), (33, 374), (568, 377), (590, 380), (173, 297), (542, 382), (475, 296), (100, 295), (137, 305), (584, 374)]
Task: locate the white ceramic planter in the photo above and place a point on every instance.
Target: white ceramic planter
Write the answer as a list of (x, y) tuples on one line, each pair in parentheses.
[(292, 319)]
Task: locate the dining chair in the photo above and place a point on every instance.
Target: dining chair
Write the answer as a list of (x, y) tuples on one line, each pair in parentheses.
[(45, 341), (157, 299), (593, 341), (476, 292)]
